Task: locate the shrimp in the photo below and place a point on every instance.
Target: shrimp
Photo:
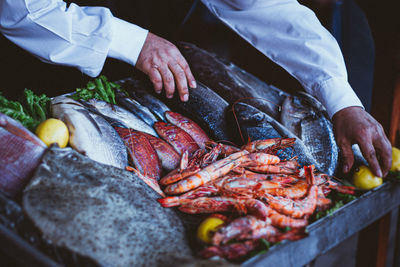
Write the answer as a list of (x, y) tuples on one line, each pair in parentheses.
[(258, 159), (283, 167), (297, 208), (210, 189), (243, 228), (225, 204), (211, 172), (269, 145), (297, 190)]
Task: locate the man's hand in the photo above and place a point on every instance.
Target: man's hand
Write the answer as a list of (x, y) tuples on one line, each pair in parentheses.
[(353, 125), (165, 65)]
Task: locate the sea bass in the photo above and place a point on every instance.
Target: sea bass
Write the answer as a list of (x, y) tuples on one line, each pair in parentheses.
[(231, 82), (207, 109), (257, 125), (90, 134), (122, 116)]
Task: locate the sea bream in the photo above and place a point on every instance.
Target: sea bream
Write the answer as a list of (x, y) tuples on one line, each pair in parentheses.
[(90, 134), (121, 116), (306, 118)]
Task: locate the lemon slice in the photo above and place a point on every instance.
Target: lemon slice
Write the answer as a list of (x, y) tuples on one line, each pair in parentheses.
[(365, 179), (53, 131), (207, 228)]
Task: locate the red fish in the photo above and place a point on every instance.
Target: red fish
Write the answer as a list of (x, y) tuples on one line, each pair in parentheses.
[(189, 126), (166, 153), (142, 154), (176, 137)]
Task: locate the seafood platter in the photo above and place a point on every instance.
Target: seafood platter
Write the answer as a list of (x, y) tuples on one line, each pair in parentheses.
[(143, 172)]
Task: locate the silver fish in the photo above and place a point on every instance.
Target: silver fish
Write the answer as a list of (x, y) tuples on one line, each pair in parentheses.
[(90, 134), (136, 108), (137, 89), (309, 123), (122, 116)]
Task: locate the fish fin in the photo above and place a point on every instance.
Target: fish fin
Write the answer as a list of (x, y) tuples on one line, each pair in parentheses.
[(90, 118)]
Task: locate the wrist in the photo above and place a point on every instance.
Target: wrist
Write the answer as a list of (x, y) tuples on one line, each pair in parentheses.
[(127, 41)]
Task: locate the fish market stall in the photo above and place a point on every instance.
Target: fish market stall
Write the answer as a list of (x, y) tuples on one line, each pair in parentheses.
[(144, 171)]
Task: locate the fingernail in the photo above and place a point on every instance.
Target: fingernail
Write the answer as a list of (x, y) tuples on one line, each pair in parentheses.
[(193, 84), (158, 91), (185, 97), (346, 168), (379, 173), (169, 96)]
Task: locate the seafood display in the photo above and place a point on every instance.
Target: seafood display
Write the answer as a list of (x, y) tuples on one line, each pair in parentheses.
[(262, 204), (259, 157)]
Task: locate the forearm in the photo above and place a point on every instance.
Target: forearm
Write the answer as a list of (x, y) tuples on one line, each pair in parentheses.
[(81, 37), (291, 36)]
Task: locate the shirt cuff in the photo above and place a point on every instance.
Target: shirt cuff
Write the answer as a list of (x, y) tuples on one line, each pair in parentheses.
[(127, 41), (336, 94)]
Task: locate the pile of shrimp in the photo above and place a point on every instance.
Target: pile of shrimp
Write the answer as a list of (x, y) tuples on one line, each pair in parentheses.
[(263, 195)]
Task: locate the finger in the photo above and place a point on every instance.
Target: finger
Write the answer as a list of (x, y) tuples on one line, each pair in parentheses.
[(180, 80), (384, 151), (189, 76), (155, 78), (347, 154), (168, 81), (369, 154)]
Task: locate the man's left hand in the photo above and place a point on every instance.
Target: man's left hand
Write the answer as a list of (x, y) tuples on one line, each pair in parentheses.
[(353, 125)]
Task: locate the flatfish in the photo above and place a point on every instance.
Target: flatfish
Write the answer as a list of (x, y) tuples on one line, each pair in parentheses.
[(101, 212)]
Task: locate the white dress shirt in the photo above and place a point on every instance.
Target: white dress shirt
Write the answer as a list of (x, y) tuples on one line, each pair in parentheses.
[(283, 30)]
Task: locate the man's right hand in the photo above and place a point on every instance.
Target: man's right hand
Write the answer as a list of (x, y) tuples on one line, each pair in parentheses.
[(165, 66)]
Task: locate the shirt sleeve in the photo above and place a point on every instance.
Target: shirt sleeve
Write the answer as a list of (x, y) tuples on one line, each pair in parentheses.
[(291, 36), (80, 37)]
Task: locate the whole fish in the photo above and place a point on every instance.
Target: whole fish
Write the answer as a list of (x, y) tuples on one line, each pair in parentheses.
[(90, 134), (20, 154), (141, 152), (310, 124), (166, 153), (231, 82), (176, 137), (133, 106), (188, 126), (121, 116), (207, 109), (258, 125), (103, 213), (137, 90)]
